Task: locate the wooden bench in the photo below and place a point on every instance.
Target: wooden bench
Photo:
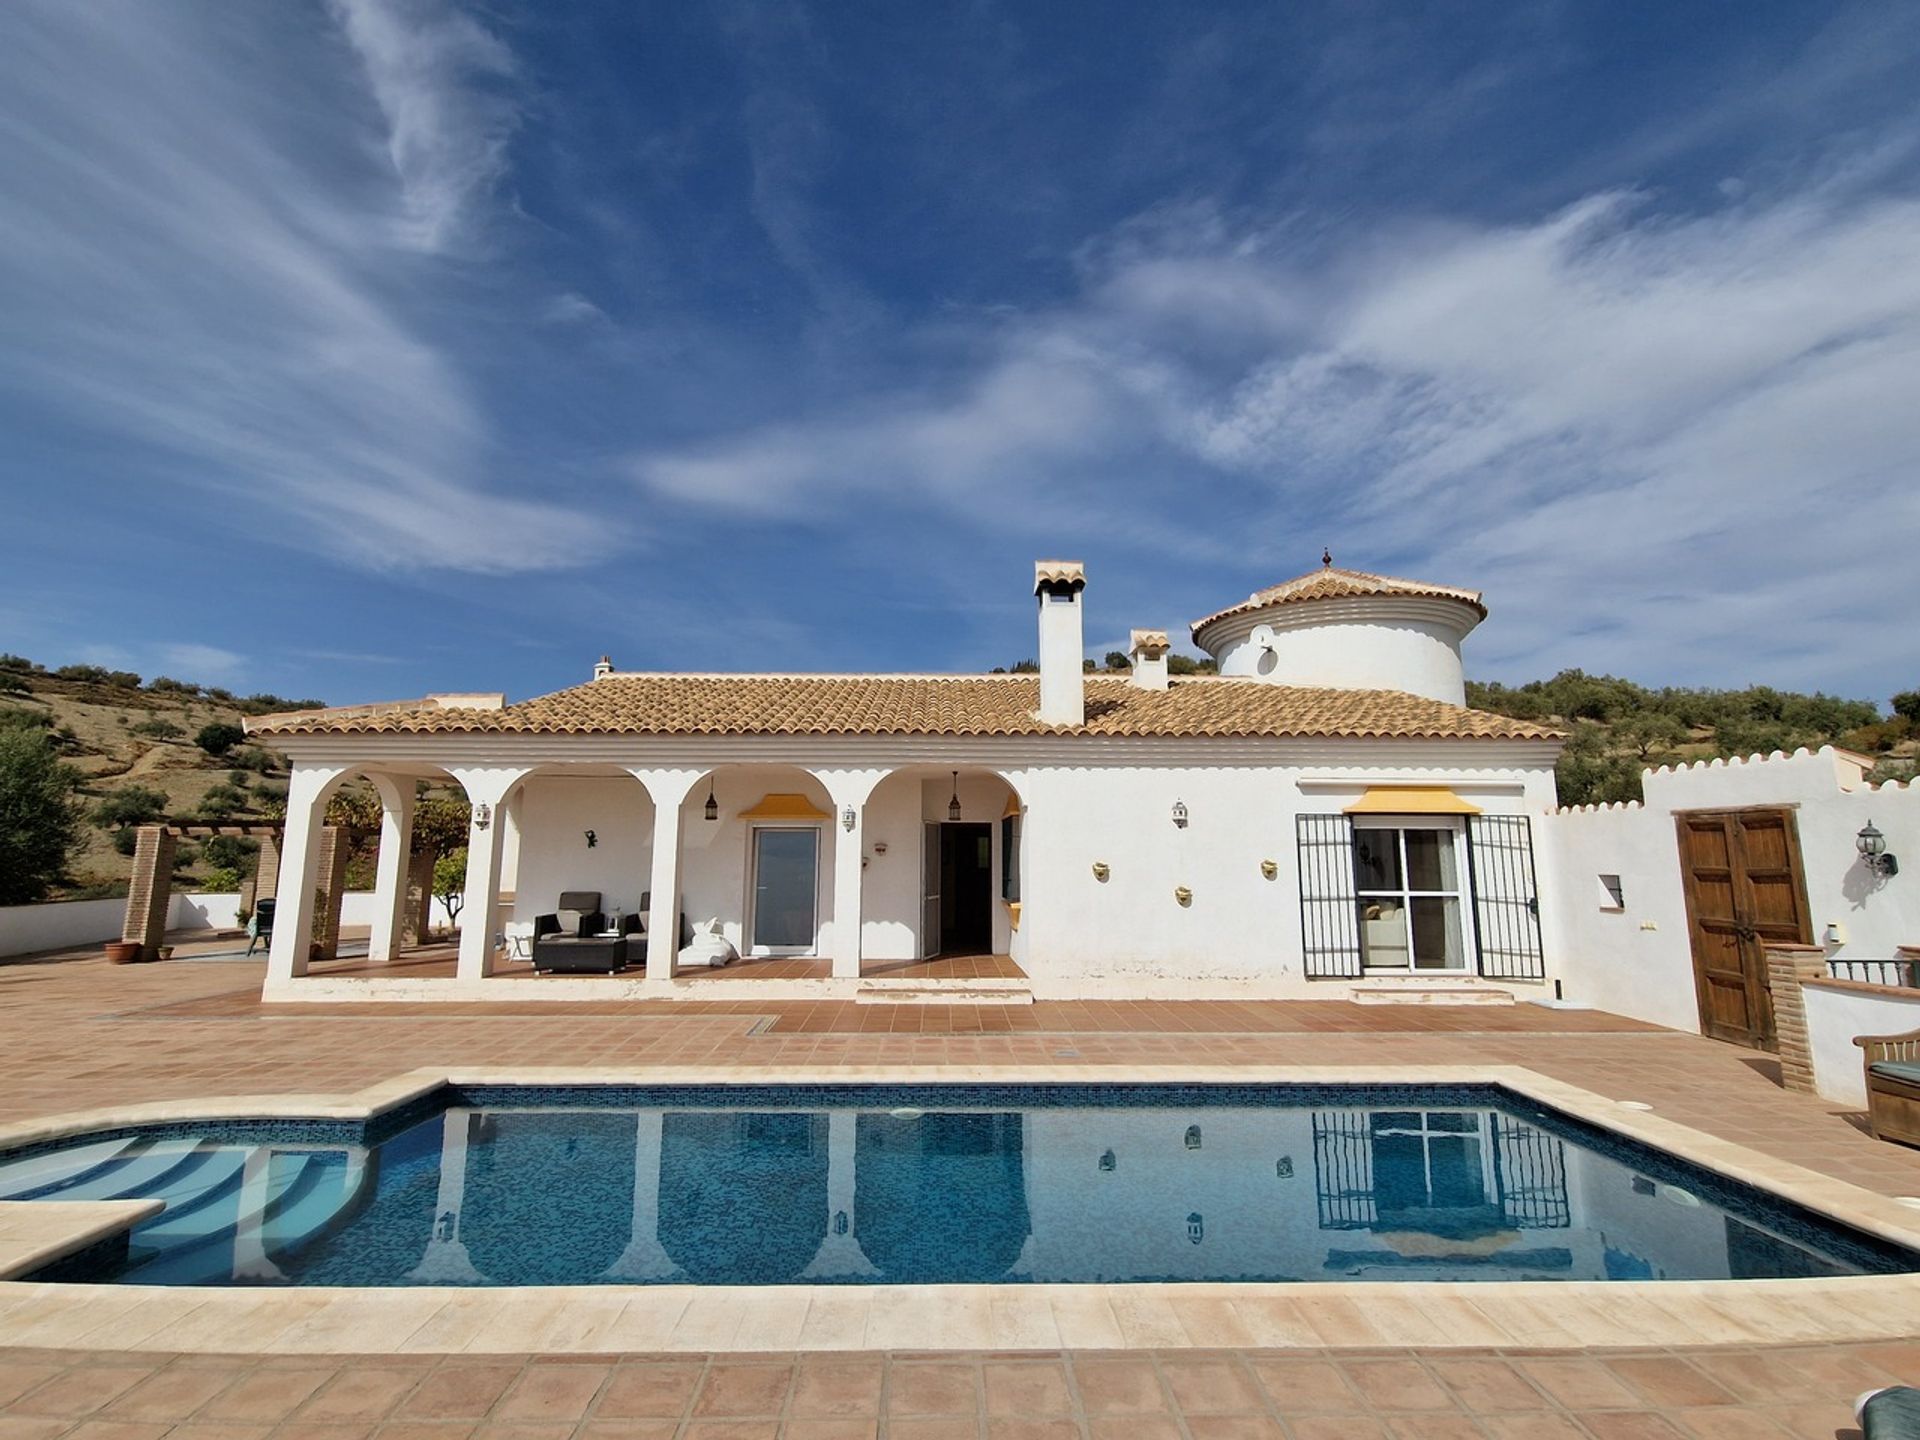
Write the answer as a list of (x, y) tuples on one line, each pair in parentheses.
[(1892, 1065)]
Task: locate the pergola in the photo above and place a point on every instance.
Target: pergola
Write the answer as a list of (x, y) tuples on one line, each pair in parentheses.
[(150, 895)]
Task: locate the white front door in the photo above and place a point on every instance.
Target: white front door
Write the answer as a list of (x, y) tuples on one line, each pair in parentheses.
[(786, 883)]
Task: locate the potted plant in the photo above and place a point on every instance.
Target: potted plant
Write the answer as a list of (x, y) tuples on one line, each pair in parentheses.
[(123, 952)]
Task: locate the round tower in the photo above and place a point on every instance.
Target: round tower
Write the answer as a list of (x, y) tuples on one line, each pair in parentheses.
[(1349, 630)]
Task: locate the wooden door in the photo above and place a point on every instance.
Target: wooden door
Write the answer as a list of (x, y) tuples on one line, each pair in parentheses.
[(1744, 889)]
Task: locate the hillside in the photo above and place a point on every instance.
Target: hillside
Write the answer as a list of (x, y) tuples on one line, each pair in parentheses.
[(1617, 728), (134, 742)]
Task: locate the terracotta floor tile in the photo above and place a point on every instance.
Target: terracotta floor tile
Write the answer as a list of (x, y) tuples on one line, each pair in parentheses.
[(1397, 1385), (1306, 1387), (551, 1393), (1202, 1387), (932, 1389), (1132, 1427), (1668, 1381), (1119, 1386), (1486, 1386), (1723, 1422), (1630, 1425), (263, 1396), (1433, 1425), (458, 1392), (650, 1391), (731, 1430), (1032, 1428), (79, 1392), (1577, 1382), (845, 1427), (932, 1427), (1337, 1427), (1028, 1389), (743, 1392), (837, 1388), (359, 1393)]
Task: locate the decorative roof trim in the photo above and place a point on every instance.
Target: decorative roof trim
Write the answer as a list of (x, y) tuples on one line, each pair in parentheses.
[(1330, 583)]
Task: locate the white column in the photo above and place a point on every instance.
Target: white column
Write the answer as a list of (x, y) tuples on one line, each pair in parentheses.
[(668, 788), (446, 1261), (480, 915), (840, 1253), (644, 1258), (307, 792), (849, 790), (390, 877)]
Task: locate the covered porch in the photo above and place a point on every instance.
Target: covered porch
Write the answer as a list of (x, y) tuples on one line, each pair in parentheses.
[(813, 882)]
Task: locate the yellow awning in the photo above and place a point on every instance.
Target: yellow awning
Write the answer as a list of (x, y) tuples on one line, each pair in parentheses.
[(785, 807), (1411, 800)]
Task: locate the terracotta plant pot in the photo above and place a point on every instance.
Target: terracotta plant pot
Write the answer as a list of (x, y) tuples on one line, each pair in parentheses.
[(166, 952), (123, 952)]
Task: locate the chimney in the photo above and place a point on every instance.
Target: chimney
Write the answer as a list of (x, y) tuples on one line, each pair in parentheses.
[(605, 668), (1148, 651), (1063, 684)]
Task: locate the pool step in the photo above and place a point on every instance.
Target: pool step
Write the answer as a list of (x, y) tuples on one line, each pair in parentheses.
[(1419, 990), (943, 992)]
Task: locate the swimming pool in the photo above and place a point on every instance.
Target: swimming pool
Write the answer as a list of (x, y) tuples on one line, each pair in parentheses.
[(848, 1184)]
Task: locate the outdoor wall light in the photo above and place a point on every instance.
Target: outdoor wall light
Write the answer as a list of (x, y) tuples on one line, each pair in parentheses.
[(1100, 870), (482, 816), (1872, 846), (1270, 869), (1182, 894), (847, 818), (592, 839), (953, 805), (1107, 1162), (1283, 1168), (1196, 1228), (713, 806), (1193, 1137), (1180, 813)]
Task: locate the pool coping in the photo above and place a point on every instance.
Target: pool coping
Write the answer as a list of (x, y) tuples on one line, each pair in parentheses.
[(785, 1318)]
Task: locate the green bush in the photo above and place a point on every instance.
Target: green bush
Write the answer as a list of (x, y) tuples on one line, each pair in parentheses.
[(230, 852), (222, 801), (218, 881), (219, 737), (39, 822), (129, 805), (158, 729)]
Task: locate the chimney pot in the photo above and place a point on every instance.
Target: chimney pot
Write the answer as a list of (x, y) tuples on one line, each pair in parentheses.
[(1057, 584), (604, 668), (1148, 652)]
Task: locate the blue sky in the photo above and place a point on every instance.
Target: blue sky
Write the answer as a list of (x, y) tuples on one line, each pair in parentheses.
[(358, 349)]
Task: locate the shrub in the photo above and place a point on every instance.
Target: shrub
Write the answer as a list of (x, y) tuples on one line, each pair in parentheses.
[(256, 758), (218, 881), (450, 881), (158, 729), (39, 824), (1907, 706), (222, 801), (129, 805), (239, 779), (89, 674), (166, 685), (219, 737), (13, 717), (230, 852)]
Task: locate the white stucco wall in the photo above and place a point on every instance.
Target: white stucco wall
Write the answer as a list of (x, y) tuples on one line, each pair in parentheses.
[(1638, 960), (1359, 643), (1837, 1013), (1240, 927)]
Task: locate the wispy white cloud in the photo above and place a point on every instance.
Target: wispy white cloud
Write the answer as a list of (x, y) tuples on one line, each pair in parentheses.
[(573, 308), (1652, 437), (196, 259), (440, 79), (200, 662)]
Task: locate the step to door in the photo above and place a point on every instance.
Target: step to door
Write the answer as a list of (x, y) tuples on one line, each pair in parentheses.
[(933, 992), (1428, 992)]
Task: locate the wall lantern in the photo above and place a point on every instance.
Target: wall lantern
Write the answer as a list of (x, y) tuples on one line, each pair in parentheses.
[(1872, 846), (847, 818), (1182, 895), (1193, 1137), (1283, 1167), (482, 816), (1270, 869), (1180, 813), (1196, 1228), (953, 805), (1107, 1162), (1100, 870), (592, 839), (713, 805)]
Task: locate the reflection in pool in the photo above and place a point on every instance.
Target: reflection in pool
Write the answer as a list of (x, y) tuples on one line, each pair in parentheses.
[(764, 1187)]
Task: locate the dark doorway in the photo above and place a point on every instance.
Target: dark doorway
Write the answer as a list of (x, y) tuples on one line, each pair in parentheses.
[(966, 889)]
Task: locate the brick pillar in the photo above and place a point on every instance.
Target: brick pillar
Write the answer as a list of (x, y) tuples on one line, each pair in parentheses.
[(1788, 967), (150, 893), (417, 920), (331, 884), (265, 880)]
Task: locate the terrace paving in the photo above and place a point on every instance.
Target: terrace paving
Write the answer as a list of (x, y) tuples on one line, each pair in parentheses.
[(76, 1034)]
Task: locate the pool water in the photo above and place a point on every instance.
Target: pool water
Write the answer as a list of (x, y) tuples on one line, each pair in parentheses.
[(853, 1185)]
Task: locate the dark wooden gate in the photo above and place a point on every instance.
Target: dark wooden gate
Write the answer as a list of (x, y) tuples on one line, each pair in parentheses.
[(1744, 890)]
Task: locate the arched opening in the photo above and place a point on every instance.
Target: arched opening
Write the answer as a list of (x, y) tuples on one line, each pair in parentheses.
[(743, 1194), (944, 865), (756, 861), (549, 1194), (941, 1198), (578, 845)]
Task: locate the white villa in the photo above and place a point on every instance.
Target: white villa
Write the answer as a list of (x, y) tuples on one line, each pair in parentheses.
[(1323, 819)]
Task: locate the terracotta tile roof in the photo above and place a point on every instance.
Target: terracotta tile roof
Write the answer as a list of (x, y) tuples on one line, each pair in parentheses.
[(1330, 583), (931, 705)]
